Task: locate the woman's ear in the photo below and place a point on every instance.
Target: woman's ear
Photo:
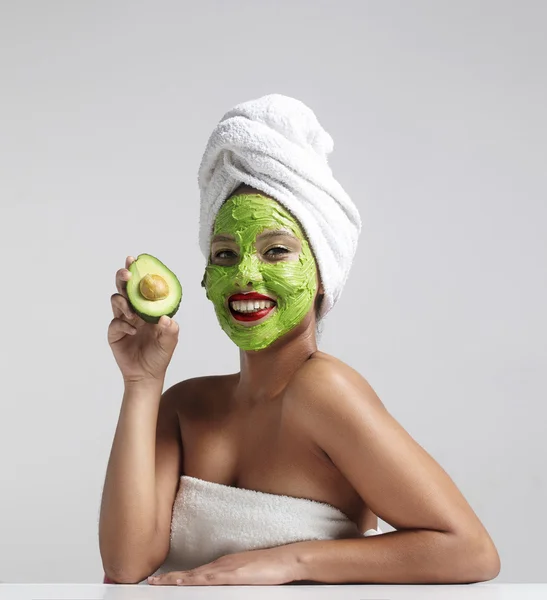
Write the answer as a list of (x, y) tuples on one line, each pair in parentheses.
[(320, 290), (204, 284)]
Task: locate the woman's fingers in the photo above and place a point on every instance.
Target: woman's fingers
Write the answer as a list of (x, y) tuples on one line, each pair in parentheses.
[(121, 307), (166, 578), (118, 328), (123, 276)]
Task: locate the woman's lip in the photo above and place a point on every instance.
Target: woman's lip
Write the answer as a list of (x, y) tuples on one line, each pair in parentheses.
[(249, 296)]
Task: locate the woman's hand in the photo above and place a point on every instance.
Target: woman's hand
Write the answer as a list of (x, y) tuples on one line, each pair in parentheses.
[(269, 566), (142, 350)]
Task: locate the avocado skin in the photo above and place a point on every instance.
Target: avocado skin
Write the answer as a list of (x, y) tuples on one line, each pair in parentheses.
[(155, 320), (144, 316)]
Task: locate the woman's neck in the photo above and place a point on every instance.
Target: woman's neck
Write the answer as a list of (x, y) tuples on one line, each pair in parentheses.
[(265, 373)]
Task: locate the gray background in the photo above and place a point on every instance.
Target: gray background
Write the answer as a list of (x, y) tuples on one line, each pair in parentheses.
[(437, 110)]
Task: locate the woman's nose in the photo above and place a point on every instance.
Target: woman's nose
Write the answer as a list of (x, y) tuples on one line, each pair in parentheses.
[(248, 272)]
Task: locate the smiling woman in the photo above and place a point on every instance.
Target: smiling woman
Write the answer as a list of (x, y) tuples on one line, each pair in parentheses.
[(274, 474), (247, 261)]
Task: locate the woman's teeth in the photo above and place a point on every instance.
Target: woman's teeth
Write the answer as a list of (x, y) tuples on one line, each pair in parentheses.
[(246, 306)]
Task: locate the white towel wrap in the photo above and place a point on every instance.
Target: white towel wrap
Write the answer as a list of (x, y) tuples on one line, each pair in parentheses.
[(212, 519), (276, 144)]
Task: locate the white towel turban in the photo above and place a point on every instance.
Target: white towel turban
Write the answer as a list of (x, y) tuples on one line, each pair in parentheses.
[(276, 144)]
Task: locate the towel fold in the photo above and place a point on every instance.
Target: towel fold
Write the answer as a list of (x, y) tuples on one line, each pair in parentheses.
[(276, 144), (211, 520)]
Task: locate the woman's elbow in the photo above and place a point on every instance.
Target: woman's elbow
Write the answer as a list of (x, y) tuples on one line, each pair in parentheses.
[(491, 564), (123, 576), (120, 568), (128, 574), (481, 560)]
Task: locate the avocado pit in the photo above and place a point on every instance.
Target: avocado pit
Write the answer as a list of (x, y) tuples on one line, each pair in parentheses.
[(153, 287)]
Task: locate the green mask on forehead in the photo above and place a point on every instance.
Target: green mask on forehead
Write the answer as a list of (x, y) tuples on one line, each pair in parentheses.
[(293, 283)]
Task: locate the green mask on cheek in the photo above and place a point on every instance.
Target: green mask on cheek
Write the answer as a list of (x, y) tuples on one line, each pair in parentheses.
[(294, 283)]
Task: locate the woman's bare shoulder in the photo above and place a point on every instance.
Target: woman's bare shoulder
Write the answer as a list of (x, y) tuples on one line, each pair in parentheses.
[(196, 396), (320, 361), (322, 367)]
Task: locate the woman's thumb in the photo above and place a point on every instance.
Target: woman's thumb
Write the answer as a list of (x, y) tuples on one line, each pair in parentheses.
[(168, 326)]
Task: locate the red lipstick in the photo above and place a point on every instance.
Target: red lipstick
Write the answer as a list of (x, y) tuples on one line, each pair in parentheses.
[(250, 316), (249, 296)]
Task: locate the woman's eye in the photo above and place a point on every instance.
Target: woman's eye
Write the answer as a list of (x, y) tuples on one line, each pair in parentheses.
[(218, 254), (283, 251), (274, 251)]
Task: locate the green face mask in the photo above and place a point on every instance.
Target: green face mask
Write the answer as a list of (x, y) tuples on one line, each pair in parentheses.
[(293, 283)]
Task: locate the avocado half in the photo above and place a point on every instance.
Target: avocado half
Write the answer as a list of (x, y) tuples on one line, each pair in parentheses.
[(153, 289)]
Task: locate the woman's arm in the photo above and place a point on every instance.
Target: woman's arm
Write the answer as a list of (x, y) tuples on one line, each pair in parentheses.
[(439, 539), (141, 482)]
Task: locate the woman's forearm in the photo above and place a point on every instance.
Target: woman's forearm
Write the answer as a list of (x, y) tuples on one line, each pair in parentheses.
[(127, 527), (409, 556)]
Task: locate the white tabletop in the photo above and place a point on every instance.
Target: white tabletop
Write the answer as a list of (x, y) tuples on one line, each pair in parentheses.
[(477, 591)]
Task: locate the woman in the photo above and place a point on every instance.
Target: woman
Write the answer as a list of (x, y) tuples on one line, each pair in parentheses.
[(274, 474)]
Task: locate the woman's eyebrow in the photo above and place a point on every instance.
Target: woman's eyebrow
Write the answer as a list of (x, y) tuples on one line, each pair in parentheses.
[(276, 232), (221, 237)]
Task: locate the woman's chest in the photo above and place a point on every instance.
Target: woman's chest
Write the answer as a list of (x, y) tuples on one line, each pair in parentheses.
[(264, 449)]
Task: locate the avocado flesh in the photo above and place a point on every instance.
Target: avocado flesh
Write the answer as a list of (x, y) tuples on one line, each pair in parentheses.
[(151, 310)]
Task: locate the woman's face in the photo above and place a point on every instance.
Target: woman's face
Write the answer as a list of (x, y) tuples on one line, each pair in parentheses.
[(257, 246)]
